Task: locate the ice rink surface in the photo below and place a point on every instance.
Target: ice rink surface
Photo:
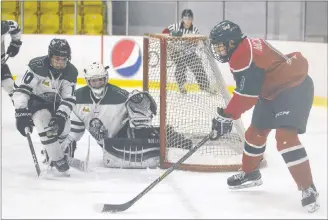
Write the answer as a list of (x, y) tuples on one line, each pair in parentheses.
[(181, 195)]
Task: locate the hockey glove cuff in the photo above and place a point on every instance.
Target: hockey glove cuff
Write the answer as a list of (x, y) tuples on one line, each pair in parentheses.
[(23, 119), (14, 47), (221, 124)]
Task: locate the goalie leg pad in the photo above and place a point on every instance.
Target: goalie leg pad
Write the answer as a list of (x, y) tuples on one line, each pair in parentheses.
[(131, 153), (175, 139)]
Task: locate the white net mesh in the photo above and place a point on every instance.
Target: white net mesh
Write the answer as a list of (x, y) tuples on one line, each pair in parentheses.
[(194, 90)]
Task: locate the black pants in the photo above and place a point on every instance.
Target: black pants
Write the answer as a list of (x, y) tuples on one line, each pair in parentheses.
[(36, 104), (194, 63), (290, 109)]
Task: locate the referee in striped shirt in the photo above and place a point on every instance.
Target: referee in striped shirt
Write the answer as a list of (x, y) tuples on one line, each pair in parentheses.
[(185, 26), (184, 59)]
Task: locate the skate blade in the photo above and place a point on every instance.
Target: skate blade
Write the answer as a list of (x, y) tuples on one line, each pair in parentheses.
[(248, 185), (312, 207)]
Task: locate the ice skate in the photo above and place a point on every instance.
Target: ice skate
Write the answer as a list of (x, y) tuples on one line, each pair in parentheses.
[(309, 199), (245, 180)]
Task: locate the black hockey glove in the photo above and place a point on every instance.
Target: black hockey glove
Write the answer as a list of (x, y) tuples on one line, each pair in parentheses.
[(221, 124), (57, 124), (23, 119), (13, 48)]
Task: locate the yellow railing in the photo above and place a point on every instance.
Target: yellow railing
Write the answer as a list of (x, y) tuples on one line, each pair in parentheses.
[(50, 17)]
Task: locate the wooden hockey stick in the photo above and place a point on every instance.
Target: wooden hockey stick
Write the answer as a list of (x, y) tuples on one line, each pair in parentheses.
[(30, 144), (125, 206)]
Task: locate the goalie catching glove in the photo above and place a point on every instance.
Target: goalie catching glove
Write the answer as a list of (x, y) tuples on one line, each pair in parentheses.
[(221, 124), (139, 146), (141, 108)]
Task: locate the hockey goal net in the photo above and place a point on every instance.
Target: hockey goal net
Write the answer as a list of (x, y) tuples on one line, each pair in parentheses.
[(185, 112)]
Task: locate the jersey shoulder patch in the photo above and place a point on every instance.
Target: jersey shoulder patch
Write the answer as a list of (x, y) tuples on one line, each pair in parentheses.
[(83, 95), (242, 57), (70, 73), (115, 95), (40, 65)]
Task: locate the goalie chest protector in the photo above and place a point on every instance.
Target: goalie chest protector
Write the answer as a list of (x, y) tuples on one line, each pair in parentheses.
[(106, 116)]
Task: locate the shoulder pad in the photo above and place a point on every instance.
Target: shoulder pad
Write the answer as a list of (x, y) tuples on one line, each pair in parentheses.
[(242, 57), (115, 95), (119, 91), (83, 95), (40, 65), (70, 73)]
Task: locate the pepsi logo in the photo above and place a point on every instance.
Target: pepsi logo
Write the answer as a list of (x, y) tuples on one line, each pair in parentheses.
[(126, 57)]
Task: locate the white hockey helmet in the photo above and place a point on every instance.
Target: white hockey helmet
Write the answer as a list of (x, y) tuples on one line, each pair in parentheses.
[(96, 76)]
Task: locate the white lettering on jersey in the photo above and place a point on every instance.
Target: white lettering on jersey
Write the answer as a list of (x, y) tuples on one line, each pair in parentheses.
[(257, 44)]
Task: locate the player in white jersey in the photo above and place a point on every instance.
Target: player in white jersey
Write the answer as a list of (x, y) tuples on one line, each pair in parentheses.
[(12, 28), (46, 97), (184, 55), (118, 120)]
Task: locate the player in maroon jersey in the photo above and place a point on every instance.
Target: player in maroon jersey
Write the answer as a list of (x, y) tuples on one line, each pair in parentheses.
[(281, 90)]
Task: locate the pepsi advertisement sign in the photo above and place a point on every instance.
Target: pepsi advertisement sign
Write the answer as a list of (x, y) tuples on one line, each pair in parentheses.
[(126, 57)]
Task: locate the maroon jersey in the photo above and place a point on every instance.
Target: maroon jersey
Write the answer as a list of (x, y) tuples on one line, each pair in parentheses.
[(262, 71)]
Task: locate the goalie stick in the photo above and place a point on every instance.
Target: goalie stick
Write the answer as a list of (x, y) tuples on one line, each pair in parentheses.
[(80, 164), (30, 144), (125, 206)]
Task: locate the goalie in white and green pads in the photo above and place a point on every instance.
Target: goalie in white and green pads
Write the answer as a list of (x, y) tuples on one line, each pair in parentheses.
[(120, 122)]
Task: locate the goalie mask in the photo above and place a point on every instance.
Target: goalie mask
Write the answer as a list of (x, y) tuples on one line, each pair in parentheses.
[(224, 39), (96, 76)]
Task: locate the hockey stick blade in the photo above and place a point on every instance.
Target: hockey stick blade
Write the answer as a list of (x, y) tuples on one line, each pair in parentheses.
[(117, 208), (122, 207)]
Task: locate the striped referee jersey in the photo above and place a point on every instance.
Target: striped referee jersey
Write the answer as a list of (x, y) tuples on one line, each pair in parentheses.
[(179, 27)]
